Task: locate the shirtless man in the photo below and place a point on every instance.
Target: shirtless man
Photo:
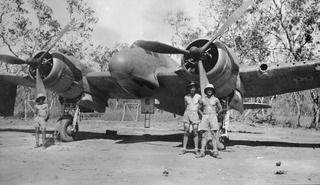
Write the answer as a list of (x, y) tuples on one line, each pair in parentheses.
[(191, 117), (209, 123)]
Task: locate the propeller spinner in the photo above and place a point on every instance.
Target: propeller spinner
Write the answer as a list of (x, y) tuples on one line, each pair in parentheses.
[(37, 61), (196, 53)]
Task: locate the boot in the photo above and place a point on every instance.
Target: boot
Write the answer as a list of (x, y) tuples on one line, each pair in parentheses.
[(37, 137), (43, 137)]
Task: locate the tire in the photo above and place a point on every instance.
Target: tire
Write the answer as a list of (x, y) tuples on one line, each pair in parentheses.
[(221, 142), (224, 141), (66, 135)]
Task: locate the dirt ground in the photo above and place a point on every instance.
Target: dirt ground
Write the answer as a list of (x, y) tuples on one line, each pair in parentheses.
[(137, 155)]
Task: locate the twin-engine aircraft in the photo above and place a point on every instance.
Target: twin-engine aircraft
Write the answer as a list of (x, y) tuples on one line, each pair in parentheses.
[(145, 71)]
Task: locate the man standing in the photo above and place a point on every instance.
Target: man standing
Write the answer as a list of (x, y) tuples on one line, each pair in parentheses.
[(209, 122), (41, 117), (191, 117)]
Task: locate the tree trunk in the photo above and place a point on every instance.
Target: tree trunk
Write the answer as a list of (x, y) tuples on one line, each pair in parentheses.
[(317, 117), (316, 110), (297, 102)]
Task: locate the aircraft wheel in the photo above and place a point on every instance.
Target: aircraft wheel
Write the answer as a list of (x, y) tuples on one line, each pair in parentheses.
[(67, 134), (224, 141)]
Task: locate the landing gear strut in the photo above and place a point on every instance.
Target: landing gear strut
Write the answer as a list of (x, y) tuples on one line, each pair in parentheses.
[(223, 132), (67, 125)]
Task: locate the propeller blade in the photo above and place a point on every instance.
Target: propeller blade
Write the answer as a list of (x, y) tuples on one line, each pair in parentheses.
[(159, 47), (203, 77), (40, 89), (235, 16), (63, 31), (11, 59)]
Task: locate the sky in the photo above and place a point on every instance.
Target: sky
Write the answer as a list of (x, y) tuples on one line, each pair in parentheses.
[(130, 20), (124, 21)]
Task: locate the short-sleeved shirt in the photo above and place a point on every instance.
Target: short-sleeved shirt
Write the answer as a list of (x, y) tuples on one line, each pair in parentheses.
[(41, 115), (190, 115), (42, 110), (192, 103)]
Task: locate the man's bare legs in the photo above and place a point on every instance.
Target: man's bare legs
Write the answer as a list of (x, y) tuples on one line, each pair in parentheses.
[(196, 138), (43, 131), (185, 138), (204, 135), (215, 152), (37, 137)]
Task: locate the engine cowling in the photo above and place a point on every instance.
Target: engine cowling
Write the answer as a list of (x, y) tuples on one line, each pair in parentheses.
[(58, 76), (220, 65)]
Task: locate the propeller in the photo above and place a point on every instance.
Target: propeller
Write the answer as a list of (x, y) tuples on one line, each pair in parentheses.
[(12, 59), (40, 89), (159, 47), (235, 16), (203, 78), (32, 61), (196, 53)]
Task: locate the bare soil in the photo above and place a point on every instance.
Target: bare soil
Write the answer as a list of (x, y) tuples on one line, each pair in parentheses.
[(137, 155)]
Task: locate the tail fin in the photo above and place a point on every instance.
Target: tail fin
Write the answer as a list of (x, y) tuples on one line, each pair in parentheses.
[(8, 92)]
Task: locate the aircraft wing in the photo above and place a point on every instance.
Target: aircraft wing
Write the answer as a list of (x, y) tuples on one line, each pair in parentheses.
[(8, 84), (281, 78), (171, 92), (17, 80)]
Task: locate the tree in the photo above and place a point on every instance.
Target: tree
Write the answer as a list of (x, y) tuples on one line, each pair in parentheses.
[(290, 27), (29, 26), (271, 31), (183, 34), (101, 54)]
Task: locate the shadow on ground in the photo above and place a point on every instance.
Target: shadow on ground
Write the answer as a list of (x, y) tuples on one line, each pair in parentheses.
[(125, 139)]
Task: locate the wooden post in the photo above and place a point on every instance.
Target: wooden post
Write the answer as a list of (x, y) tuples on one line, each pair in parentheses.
[(25, 110)]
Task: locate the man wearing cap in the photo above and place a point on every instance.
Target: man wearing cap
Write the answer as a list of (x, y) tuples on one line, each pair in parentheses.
[(191, 117), (209, 123), (40, 119)]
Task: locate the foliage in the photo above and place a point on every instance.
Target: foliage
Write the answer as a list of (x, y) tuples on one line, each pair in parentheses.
[(102, 54), (29, 26), (270, 32)]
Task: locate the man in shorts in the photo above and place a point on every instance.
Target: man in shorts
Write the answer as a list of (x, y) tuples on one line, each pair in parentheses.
[(191, 118), (209, 123), (40, 119)]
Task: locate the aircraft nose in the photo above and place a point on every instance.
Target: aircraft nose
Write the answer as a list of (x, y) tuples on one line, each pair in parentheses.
[(120, 63)]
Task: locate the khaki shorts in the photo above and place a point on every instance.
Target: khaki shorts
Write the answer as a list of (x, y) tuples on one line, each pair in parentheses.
[(191, 117), (209, 122), (40, 122)]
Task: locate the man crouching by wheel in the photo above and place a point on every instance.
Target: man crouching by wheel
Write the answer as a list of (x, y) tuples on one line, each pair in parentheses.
[(191, 118), (209, 126)]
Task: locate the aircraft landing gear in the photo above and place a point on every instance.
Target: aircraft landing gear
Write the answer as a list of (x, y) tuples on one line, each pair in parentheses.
[(224, 137), (67, 125)]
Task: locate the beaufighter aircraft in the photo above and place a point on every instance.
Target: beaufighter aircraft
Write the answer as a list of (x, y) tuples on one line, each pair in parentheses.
[(146, 71)]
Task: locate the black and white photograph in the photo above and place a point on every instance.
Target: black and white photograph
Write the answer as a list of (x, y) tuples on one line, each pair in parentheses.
[(161, 92)]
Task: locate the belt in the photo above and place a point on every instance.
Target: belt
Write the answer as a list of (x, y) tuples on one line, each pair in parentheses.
[(192, 110), (209, 113)]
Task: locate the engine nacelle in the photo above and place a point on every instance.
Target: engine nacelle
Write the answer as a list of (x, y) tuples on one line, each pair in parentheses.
[(58, 76), (220, 65)]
